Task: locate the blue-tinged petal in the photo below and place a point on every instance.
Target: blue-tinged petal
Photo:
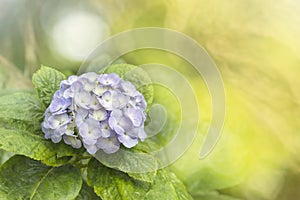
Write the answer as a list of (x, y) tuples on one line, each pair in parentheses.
[(92, 149), (128, 88), (106, 131), (119, 100), (90, 130), (106, 100), (100, 89), (56, 121), (94, 104), (56, 138), (127, 141), (81, 116), (108, 145), (135, 115), (83, 99), (109, 79), (73, 141), (99, 115), (119, 123)]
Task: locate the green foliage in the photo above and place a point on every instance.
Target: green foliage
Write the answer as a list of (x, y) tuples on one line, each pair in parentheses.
[(36, 147), (112, 184), (24, 178), (46, 82), (146, 177), (167, 186), (87, 193), (46, 171), (128, 161), (21, 110), (137, 76)]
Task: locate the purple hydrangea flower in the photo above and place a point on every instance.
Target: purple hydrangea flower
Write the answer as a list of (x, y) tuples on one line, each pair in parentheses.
[(96, 112)]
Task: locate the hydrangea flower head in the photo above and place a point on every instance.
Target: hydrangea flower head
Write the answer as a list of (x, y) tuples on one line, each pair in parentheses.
[(96, 111)]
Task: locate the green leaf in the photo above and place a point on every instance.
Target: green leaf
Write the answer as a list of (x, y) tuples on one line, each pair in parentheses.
[(137, 76), (4, 156), (46, 82), (24, 178), (167, 186), (21, 110), (128, 161), (146, 177), (36, 147), (111, 184), (87, 193)]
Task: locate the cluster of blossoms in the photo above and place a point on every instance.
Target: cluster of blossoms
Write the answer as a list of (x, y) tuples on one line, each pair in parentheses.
[(98, 111)]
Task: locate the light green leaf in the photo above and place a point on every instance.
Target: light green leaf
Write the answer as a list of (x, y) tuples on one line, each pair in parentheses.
[(46, 82), (4, 156), (21, 110), (168, 187), (146, 177), (128, 161), (24, 178), (137, 76), (36, 147), (111, 184), (87, 193)]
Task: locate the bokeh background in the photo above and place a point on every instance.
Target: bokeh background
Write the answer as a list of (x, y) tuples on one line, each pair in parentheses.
[(255, 44)]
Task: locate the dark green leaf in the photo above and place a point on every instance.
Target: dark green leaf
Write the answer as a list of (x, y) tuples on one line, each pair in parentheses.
[(21, 110), (137, 76), (24, 178), (87, 193), (36, 147), (47, 81), (111, 184)]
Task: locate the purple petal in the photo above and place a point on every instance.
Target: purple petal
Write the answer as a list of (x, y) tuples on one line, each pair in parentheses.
[(83, 99), (108, 145), (73, 141), (135, 115), (127, 141), (109, 79), (99, 115), (92, 149)]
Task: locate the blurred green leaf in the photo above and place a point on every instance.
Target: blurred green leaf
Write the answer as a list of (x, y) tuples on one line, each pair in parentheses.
[(46, 82), (213, 195), (21, 110), (24, 178), (11, 77)]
